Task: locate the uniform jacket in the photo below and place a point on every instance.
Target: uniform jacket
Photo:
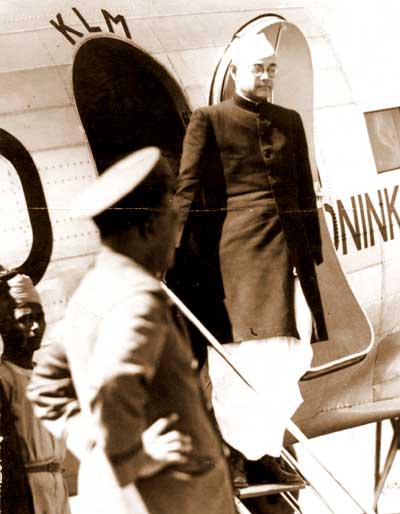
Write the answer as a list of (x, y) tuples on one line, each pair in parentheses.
[(38, 446), (131, 364), (16, 495), (233, 150)]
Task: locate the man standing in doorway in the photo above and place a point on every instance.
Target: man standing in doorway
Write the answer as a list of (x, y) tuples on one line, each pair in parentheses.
[(248, 213)]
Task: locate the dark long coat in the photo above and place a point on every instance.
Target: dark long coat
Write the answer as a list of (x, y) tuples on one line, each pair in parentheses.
[(247, 203), (16, 495)]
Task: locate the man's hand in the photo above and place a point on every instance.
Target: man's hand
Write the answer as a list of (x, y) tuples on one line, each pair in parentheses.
[(162, 448)]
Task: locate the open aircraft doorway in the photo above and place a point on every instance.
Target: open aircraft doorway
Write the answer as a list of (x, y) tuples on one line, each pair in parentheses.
[(294, 81), (126, 100), (350, 332)]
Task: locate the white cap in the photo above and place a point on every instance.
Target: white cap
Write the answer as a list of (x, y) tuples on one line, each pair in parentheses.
[(251, 48), (115, 183)]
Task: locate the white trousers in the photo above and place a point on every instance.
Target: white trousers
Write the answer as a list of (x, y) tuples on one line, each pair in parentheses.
[(255, 424)]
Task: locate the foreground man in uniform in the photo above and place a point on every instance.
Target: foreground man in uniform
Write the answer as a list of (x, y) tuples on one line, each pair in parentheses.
[(30, 456), (137, 392), (248, 212)]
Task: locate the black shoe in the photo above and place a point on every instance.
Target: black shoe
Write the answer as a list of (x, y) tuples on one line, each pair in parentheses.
[(236, 464), (274, 472), (239, 479)]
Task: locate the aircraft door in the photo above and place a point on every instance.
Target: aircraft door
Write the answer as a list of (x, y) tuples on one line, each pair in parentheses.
[(294, 81), (349, 330), (126, 100)]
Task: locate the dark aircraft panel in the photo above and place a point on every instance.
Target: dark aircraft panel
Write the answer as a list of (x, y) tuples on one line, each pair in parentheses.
[(126, 101)]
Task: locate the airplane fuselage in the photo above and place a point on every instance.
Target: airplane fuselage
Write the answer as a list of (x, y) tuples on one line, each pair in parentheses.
[(45, 157)]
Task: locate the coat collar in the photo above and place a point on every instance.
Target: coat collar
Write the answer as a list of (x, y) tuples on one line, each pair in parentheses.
[(110, 259), (249, 105)]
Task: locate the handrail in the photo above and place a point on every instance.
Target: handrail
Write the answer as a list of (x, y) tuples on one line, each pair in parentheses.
[(291, 427)]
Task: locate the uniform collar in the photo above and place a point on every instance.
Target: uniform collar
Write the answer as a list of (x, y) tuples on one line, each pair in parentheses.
[(249, 105), (107, 255)]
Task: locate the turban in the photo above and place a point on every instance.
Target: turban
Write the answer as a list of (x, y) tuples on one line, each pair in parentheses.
[(22, 290)]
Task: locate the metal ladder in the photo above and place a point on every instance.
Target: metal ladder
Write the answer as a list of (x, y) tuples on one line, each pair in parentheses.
[(380, 477), (256, 491), (285, 491), (291, 428)]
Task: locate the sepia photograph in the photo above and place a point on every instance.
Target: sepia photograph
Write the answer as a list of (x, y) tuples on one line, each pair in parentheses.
[(199, 257)]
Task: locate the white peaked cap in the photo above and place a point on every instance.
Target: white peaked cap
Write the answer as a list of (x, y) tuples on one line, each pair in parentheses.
[(251, 48), (115, 183)]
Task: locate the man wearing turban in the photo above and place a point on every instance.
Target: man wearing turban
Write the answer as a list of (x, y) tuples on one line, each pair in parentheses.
[(31, 457)]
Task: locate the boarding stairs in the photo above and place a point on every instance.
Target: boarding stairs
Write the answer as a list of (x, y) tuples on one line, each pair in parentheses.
[(256, 491), (382, 475), (287, 492)]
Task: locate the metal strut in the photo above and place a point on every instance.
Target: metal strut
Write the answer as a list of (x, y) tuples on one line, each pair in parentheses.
[(380, 478), (291, 427)]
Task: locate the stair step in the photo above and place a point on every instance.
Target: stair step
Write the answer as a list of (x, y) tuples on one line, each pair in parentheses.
[(253, 491)]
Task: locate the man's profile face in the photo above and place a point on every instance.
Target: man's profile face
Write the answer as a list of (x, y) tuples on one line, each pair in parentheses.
[(255, 79), (21, 326)]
